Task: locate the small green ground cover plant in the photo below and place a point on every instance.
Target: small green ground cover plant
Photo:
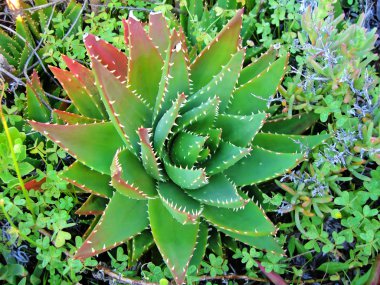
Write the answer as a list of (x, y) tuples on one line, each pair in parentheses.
[(181, 142)]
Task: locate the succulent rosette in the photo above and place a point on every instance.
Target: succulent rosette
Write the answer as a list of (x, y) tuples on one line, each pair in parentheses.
[(164, 144)]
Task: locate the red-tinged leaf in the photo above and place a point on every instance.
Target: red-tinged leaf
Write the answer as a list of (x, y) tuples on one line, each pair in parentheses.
[(87, 78), (34, 184), (72, 118), (145, 62), (94, 205), (211, 60), (130, 217), (272, 276), (130, 178), (109, 56), (77, 92), (88, 180), (93, 145), (159, 32), (170, 236), (126, 110)]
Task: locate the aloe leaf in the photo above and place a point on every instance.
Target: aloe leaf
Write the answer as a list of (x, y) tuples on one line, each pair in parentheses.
[(187, 178), (35, 95), (288, 143), (125, 109), (266, 243), (130, 178), (227, 196), (217, 53), (222, 85), (201, 246), (78, 94), (215, 242), (148, 156), (145, 62), (109, 56), (200, 118), (166, 123), (87, 78), (248, 127), (214, 137), (182, 207), (171, 236), (141, 244), (94, 205), (175, 77), (118, 212), (88, 180), (262, 165), (159, 32), (99, 148), (257, 66), (185, 148), (226, 155), (294, 125), (249, 221), (253, 96), (72, 118)]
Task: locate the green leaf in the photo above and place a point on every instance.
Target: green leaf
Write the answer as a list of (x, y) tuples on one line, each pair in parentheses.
[(240, 130), (200, 249), (288, 143), (88, 180), (106, 235), (130, 178), (267, 243), (148, 156), (182, 207), (141, 244), (260, 166), (249, 221), (222, 85), (192, 178), (333, 267), (90, 144), (175, 242), (219, 192), (185, 148), (217, 53), (94, 205), (295, 125), (200, 118), (61, 237), (257, 66), (226, 155), (37, 110), (166, 123), (252, 97)]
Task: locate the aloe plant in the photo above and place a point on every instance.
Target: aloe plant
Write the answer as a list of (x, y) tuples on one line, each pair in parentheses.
[(165, 145)]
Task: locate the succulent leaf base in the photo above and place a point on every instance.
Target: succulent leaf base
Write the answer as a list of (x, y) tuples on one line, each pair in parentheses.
[(164, 144)]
